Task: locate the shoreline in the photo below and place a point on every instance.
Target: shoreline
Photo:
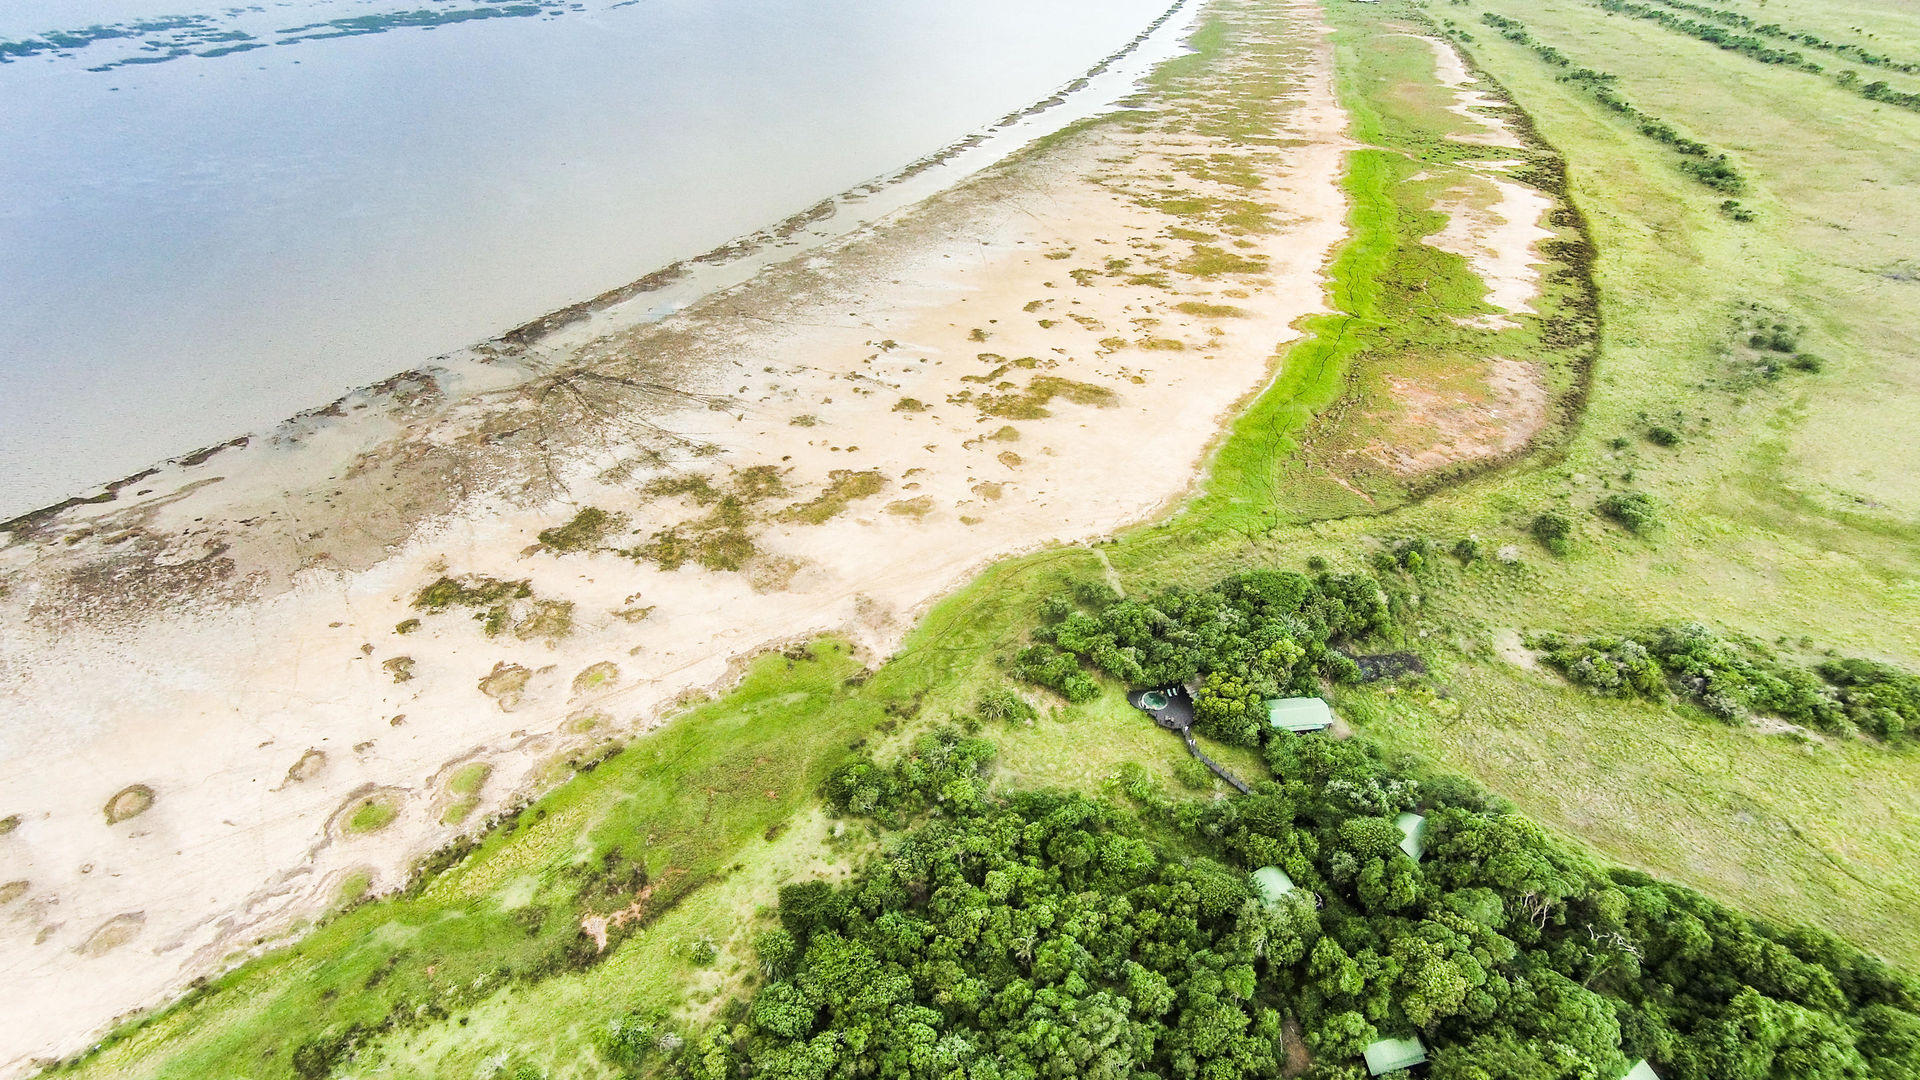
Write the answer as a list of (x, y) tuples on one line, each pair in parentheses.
[(685, 281)]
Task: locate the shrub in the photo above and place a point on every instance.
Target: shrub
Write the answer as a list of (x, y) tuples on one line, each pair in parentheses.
[(1661, 435), (1192, 775), (1633, 509), (1001, 703), (1553, 531)]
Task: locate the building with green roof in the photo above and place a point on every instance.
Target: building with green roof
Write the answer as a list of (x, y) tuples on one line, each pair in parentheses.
[(1272, 883), (1392, 1055), (1413, 834), (1299, 714)]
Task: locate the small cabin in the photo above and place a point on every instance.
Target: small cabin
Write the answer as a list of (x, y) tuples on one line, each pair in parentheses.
[(1272, 883), (1642, 1071), (1299, 714), (1413, 834), (1392, 1055)]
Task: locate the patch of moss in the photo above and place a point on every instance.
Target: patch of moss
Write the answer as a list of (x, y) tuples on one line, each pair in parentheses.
[(472, 590), (469, 778), (843, 487), (1031, 403), (687, 485), (9, 823), (586, 530), (715, 549), (915, 507), (372, 815), (759, 482), (353, 888), (127, 803), (594, 676), (400, 667), (1163, 344), (1210, 261), (549, 619), (406, 626), (907, 404), (1209, 311)]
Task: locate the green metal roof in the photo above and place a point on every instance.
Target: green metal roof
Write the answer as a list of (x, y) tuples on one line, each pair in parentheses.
[(1272, 883), (1388, 1055), (1413, 834), (1299, 714), (1642, 1071)]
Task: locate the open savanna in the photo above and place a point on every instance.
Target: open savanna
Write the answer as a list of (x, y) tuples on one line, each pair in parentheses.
[(1785, 515)]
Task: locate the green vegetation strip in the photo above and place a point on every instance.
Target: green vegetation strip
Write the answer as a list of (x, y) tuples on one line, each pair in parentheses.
[(1755, 49), (1698, 159), (1855, 53)]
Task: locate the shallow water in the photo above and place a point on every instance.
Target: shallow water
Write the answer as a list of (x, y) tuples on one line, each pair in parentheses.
[(214, 217)]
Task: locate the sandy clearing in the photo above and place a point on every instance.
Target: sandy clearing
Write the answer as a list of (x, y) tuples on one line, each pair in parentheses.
[(205, 638), (1471, 104), (1494, 224), (1439, 428)]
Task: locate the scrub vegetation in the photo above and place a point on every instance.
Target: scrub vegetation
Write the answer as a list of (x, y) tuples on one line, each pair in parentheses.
[(976, 858)]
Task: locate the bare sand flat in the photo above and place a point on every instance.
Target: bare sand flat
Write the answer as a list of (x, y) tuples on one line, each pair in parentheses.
[(258, 640)]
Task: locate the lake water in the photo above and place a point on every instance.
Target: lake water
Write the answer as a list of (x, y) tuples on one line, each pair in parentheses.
[(213, 217)]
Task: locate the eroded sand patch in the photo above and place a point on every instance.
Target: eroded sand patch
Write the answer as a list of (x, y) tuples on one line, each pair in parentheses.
[(1477, 106), (1495, 223), (1489, 412)]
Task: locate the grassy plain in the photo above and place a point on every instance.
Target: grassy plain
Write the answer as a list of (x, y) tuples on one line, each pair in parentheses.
[(1785, 518)]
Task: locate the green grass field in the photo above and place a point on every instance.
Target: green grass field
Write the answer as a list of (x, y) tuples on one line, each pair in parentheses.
[(1789, 511)]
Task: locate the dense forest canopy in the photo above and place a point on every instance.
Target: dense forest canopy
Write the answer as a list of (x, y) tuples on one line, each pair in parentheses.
[(1039, 934)]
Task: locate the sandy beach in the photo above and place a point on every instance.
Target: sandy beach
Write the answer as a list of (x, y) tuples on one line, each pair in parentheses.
[(252, 685)]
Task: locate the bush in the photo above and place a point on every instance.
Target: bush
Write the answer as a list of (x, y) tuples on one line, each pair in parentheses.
[(1553, 531), (1192, 775), (1729, 679), (1633, 509), (1001, 703), (1661, 435)]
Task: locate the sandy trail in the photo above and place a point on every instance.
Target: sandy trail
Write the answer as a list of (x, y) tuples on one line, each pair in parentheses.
[(1009, 359)]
